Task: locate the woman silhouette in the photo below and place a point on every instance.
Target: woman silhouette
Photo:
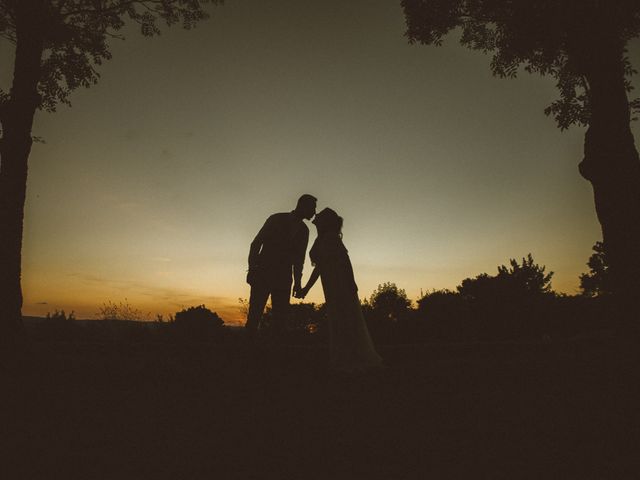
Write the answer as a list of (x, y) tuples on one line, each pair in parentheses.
[(350, 345)]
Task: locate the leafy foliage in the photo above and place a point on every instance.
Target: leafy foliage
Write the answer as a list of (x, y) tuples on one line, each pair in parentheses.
[(596, 282), (517, 279), (389, 301), (517, 303), (508, 304), (387, 313), (76, 35), (304, 322), (308, 318), (436, 298), (120, 311), (198, 323), (528, 277), (549, 37), (198, 315)]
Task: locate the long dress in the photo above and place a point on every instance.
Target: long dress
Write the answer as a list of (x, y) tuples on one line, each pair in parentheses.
[(350, 345)]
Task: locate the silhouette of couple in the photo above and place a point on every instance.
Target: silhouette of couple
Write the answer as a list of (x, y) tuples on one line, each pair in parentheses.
[(276, 257)]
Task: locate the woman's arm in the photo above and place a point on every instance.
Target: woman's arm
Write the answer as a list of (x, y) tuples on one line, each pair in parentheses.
[(310, 283)]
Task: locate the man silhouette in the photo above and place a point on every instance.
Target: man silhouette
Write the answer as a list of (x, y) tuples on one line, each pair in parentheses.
[(277, 253)]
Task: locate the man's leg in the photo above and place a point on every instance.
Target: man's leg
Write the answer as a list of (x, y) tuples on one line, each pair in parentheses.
[(257, 301), (280, 296)]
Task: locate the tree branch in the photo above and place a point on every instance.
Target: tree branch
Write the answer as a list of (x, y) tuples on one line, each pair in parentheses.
[(150, 9), (9, 36), (93, 11), (119, 7)]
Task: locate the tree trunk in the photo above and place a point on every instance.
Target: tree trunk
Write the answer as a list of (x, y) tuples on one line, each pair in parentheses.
[(16, 116), (612, 166)]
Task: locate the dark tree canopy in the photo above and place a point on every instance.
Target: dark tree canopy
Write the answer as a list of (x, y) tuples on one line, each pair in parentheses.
[(596, 282), (527, 279), (389, 301), (76, 35), (560, 38)]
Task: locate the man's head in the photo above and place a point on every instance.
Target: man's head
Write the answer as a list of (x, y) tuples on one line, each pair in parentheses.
[(306, 206)]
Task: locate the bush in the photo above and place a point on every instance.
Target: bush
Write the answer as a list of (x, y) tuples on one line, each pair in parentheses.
[(198, 323), (388, 314), (305, 322), (508, 305), (308, 321), (446, 315), (120, 311), (59, 317)]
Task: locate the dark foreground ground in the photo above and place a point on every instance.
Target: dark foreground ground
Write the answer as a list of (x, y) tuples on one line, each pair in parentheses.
[(228, 411)]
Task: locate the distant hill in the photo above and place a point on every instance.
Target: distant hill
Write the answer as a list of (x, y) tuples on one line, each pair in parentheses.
[(28, 320), (34, 321)]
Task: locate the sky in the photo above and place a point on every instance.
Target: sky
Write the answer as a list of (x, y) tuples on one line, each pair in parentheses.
[(150, 188)]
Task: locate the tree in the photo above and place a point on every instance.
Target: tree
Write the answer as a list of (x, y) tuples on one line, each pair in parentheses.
[(582, 44), (59, 44), (518, 280), (529, 277), (389, 301), (596, 282)]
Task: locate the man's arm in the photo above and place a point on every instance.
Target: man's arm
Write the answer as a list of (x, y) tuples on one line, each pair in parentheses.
[(298, 263), (256, 246)]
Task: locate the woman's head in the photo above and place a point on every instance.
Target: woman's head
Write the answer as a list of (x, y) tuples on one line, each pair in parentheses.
[(328, 221), (329, 240)]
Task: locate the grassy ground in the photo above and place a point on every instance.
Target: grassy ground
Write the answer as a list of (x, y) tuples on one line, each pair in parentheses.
[(231, 411)]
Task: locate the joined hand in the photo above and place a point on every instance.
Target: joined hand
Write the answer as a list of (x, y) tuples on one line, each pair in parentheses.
[(299, 292)]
